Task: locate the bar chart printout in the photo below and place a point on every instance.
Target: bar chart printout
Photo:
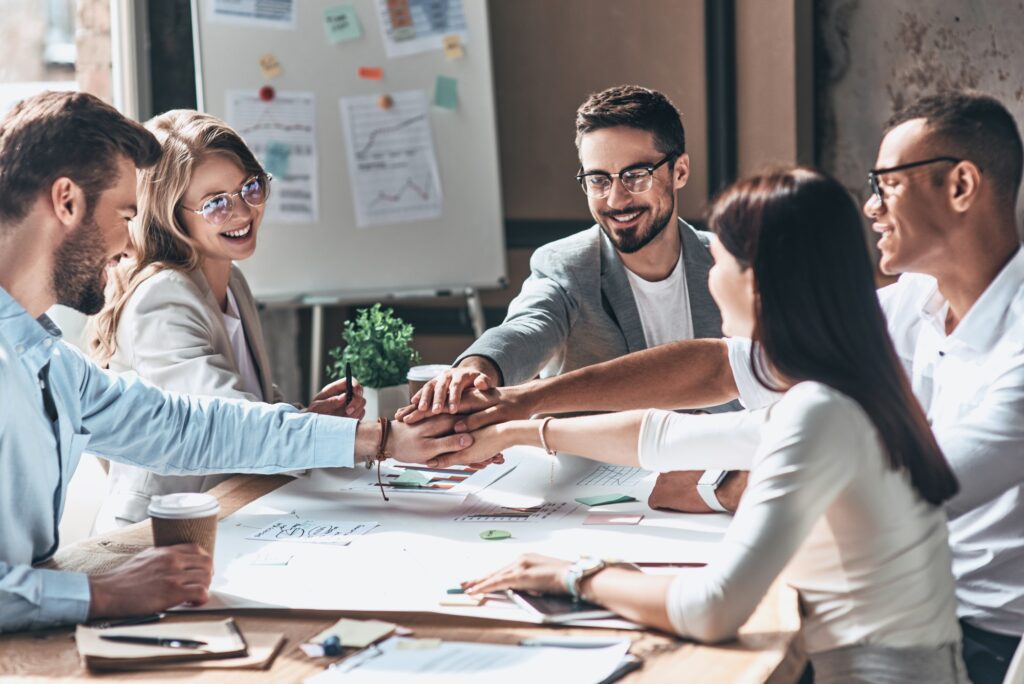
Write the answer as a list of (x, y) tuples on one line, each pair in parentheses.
[(391, 159)]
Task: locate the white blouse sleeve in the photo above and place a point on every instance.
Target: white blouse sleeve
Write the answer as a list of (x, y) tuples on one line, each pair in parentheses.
[(753, 394), (675, 441), (808, 453)]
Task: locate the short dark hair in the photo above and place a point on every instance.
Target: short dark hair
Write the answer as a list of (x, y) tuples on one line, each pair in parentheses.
[(817, 312), (975, 127), (636, 107), (65, 134)]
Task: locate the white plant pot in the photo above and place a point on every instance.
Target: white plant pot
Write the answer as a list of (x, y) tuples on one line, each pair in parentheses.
[(383, 402)]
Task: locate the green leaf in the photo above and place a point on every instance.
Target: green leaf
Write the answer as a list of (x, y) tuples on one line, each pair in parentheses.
[(378, 345)]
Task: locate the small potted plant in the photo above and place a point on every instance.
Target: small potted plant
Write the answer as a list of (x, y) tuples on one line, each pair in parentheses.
[(377, 344)]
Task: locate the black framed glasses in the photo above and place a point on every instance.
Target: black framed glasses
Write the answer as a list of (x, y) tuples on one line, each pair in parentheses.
[(218, 209), (874, 174), (636, 179)]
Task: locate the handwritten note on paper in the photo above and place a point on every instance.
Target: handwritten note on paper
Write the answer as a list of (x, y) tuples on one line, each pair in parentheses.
[(342, 24), (338, 533)]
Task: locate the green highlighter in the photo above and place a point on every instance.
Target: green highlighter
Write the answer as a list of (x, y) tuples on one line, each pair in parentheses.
[(605, 499)]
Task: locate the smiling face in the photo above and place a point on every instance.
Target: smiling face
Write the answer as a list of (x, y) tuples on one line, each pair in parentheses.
[(732, 288), (630, 221), (81, 260), (235, 239), (912, 217)]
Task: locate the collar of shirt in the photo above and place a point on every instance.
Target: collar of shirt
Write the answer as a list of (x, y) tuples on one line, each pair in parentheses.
[(985, 322), (32, 339)]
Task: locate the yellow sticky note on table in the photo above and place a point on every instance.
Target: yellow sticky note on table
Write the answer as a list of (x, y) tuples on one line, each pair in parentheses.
[(453, 47), (269, 65), (356, 633)]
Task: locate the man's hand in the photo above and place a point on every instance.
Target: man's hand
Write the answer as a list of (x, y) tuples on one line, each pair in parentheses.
[(331, 401), (152, 581), (481, 409), (677, 491), (427, 439), (444, 393), (532, 572)]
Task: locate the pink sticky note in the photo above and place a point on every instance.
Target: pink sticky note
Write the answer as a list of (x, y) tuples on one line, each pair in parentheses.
[(612, 519)]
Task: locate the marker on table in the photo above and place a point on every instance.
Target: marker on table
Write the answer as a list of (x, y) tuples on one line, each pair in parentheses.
[(348, 383)]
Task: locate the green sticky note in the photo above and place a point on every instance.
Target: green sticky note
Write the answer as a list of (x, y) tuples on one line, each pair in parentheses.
[(446, 93), (411, 478), (276, 158), (342, 24), (605, 499), (456, 590), (495, 534)]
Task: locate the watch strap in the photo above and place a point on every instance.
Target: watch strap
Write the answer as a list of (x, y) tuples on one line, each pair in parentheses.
[(708, 494)]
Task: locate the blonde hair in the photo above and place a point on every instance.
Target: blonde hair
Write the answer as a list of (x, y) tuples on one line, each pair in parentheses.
[(157, 238)]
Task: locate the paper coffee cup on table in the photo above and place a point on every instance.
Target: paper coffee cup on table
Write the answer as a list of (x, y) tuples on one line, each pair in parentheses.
[(185, 518), (421, 375)]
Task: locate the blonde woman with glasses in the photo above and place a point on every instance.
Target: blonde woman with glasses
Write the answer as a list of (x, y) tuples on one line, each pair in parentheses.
[(179, 312)]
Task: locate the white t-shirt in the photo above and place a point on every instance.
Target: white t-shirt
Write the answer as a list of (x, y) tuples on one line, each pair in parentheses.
[(664, 306), (971, 386), (243, 357), (822, 508)]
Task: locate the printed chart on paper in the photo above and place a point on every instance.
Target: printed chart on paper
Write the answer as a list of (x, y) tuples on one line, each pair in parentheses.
[(613, 476), (413, 26), (391, 159), (287, 122), (487, 512)]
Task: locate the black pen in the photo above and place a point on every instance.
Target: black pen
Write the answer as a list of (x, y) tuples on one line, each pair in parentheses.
[(167, 642), (348, 383)]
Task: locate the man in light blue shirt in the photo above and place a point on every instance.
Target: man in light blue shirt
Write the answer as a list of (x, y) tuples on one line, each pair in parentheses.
[(67, 192)]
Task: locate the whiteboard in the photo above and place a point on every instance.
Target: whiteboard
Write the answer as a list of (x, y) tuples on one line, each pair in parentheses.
[(331, 257)]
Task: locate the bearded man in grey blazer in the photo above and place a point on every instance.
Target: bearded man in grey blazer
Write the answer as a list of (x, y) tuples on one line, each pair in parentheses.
[(636, 279)]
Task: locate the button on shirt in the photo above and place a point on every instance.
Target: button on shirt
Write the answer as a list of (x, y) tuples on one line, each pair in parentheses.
[(126, 420), (971, 385)]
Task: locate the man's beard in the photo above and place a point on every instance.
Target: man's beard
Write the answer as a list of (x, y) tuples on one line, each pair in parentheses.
[(79, 267), (630, 242)]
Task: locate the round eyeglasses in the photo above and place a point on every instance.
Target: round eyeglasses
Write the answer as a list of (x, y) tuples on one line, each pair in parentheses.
[(636, 179), (218, 209)]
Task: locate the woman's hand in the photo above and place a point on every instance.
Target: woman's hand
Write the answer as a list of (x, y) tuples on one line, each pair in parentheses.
[(532, 572), (487, 442), (331, 401)]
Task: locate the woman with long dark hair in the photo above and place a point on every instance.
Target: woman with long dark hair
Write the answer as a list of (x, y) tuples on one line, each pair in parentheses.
[(846, 477)]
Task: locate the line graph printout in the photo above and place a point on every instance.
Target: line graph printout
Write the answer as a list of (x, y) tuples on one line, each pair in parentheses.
[(288, 122), (391, 159), (613, 476), (486, 512), (413, 26)]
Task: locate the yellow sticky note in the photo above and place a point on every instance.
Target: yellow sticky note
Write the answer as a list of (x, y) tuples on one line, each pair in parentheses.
[(356, 633), (269, 65), (453, 47), (462, 600)]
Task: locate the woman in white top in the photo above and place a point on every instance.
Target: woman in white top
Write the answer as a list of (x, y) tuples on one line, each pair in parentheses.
[(845, 476), (179, 312)]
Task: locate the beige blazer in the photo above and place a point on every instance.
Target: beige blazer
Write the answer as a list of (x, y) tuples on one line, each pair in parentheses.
[(172, 334)]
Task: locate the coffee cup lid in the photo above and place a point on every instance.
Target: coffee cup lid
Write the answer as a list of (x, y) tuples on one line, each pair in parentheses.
[(427, 373), (183, 505)]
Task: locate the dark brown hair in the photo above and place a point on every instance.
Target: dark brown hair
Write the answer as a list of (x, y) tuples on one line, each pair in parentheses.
[(636, 107), (818, 316), (974, 127), (65, 134)]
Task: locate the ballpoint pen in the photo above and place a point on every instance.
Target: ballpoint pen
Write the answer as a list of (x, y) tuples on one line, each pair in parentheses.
[(167, 642), (145, 619), (348, 383)]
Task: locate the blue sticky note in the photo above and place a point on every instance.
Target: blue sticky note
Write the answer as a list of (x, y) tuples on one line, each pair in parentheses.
[(446, 92), (342, 24), (276, 158)]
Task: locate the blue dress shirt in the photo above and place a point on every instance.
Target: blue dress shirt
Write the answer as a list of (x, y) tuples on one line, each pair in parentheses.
[(126, 420)]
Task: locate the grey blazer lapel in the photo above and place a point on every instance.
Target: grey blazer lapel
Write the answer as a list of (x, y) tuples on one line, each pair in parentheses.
[(619, 296), (707, 321)]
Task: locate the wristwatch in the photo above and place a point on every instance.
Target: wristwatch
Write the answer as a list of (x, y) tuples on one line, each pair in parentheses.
[(708, 484), (583, 568)]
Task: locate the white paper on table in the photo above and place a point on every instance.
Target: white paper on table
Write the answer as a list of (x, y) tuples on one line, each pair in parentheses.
[(289, 119), (475, 480), (432, 20), (391, 159), (336, 532), (279, 14), (453, 662)]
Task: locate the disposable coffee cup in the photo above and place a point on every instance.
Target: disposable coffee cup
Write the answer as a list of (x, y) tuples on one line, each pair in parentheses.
[(421, 375), (185, 518)]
